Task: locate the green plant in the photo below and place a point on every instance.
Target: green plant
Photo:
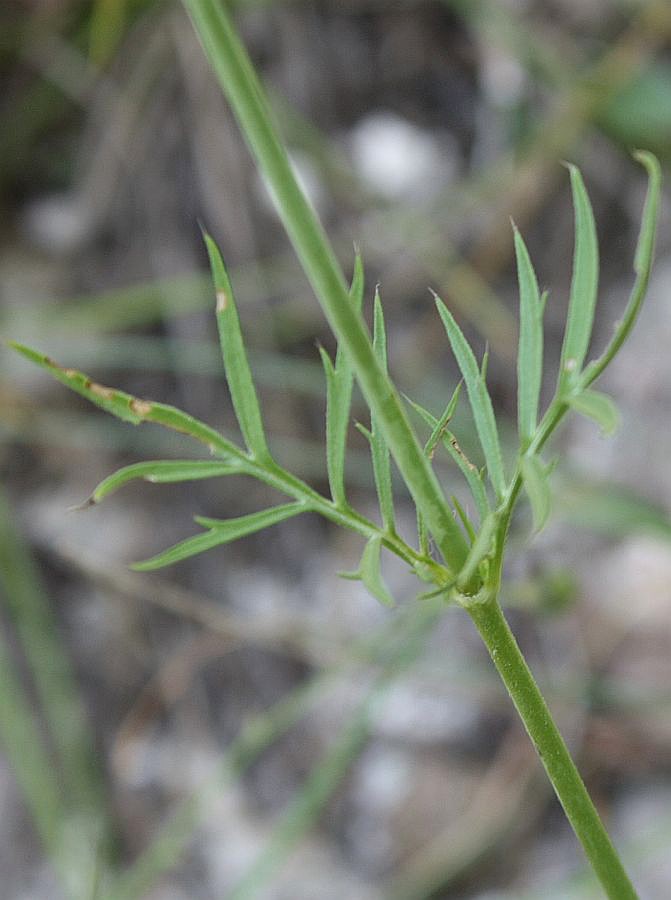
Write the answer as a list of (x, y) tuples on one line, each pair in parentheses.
[(471, 551)]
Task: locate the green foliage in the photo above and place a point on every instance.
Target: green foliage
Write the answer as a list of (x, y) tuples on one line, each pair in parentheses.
[(584, 285), (378, 445), (160, 472), (478, 396), (369, 572), (530, 354), (535, 479), (596, 406), (339, 384), (480, 564), (220, 531), (468, 563), (238, 375)]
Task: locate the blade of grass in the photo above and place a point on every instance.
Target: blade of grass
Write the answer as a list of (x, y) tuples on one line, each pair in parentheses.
[(221, 531), (304, 809), (327, 775), (238, 373), (64, 713), (165, 851), (584, 285), (479, 398), (24, 748), (530, 352)]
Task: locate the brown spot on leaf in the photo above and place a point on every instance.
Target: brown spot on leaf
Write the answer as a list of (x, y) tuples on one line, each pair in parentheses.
[(141, 408), (461, 453), (100, 390)]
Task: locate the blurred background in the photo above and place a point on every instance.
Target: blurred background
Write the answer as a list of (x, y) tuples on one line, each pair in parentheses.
[(247, 724)]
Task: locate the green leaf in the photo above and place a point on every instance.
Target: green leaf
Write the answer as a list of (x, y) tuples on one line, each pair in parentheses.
[(440, 428), (221, 531), (465, 521), (484, 365), (339, 384), (161, 472), (584, 285), (379, 448), (596, 406), (480, 550), (358, 281), (470, 471), (645, 251), (369, 571), (118, 403), (535, 479), (422, 535), (336, 431), (530, 352), (479, 399), (133, 409), (238, 373), (645, 248)]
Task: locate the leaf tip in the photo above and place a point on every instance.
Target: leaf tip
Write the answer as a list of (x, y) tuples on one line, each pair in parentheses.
[(85, 504)]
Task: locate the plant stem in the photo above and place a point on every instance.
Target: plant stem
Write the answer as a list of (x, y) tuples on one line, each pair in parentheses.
[(569, 787), (243, 89), (241, 85)]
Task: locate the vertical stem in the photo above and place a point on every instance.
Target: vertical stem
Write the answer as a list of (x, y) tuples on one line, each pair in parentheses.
[(239, 82), (244, 92), (569, 787)]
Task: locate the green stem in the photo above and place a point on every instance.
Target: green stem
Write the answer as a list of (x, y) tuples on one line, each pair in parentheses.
[(569, 787), (243, 89), (239, 82)]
